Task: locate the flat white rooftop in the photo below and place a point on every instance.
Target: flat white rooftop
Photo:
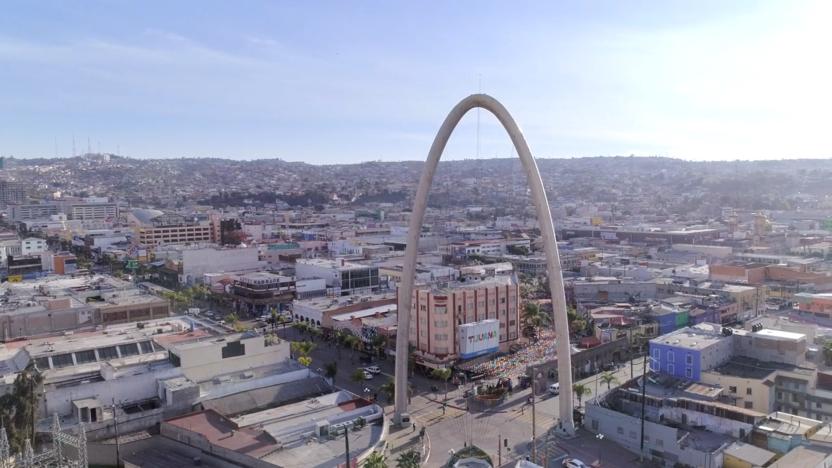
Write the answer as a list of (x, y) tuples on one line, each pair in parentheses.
[(383, 310), (780, 334)]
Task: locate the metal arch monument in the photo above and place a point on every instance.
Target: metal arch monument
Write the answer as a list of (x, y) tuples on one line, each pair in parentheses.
[(544, 218)]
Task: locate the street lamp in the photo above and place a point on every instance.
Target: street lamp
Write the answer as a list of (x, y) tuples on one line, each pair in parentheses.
[(600, 438)]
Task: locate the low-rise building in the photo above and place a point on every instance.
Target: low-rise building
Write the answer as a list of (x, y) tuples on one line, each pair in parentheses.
[(254, 294), (55, 304)]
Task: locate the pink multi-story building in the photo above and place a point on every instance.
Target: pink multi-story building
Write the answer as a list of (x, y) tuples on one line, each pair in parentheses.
[(439, 309)]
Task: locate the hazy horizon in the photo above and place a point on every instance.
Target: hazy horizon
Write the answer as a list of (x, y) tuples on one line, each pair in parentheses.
[(334, 83)]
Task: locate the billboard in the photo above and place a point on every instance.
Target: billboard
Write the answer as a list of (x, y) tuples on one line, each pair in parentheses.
[(478, 338)]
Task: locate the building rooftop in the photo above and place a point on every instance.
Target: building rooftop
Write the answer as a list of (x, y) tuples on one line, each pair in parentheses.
[(780, 335), (801, 456), (754, 455), (337, 302), (748, 368), (380, 310), (788, 424), (699, 337), (335, 264)]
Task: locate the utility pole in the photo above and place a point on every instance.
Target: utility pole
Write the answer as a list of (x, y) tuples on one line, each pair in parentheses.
[(643, 401), (534, 422), (118, 445), (347, 445), (499, 450)]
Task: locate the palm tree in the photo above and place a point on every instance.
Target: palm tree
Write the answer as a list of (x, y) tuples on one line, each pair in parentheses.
[(379, 342), (302, 348), (534, 318), (330, 370), (409, 459), (358, 375), (443, 374), (388, 389), (827, 352), (375, 460), (609, 379), (581, 390)]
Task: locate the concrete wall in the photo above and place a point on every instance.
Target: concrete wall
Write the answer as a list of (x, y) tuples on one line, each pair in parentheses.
[(761, 398), (138, 387), (660, 441), (201, 363), (679, 362), (197, 262)]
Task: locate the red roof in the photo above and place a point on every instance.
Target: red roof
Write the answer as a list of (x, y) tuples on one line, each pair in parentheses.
[(589, 342)]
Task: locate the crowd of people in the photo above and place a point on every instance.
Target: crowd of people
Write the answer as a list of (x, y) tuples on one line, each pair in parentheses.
[(512, 365)]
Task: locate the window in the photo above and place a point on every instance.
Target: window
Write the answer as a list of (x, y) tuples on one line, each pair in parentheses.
[(129, 349), (146, 346), (233, 349), (670, 369), (42, 363), (656, 354), (818, 405), (107, 353), (748, 391), (794, 395), (670, 356), (689, 373), (689, 359), (82, 357), (732, 389), (749, 405), (62, 360)]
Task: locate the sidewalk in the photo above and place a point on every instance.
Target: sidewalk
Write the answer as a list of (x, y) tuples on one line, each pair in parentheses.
[(402, 440)]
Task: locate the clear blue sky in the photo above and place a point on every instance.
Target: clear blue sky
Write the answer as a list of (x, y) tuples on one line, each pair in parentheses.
[(350, 81)]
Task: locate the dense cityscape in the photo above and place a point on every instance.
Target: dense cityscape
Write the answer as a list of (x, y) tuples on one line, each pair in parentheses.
[(387, 234), (160, 311)]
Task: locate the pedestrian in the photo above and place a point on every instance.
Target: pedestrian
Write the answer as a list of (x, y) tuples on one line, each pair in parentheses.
[(414, 429)]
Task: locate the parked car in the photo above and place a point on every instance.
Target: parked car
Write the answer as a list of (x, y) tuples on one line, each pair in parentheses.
[(368, 375), (554, 389), (574, 463), (373, 369)]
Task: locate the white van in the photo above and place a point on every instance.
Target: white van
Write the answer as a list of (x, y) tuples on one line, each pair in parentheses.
[(554, 389)]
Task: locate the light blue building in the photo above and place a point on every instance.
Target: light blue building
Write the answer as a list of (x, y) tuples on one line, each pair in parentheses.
[(689, 351)]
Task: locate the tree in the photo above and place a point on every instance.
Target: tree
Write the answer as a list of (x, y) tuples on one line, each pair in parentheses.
[(358, 375), (330, 370), (18, 408), (443, 374), (305, 361), (353, 342), (302, 348), (379, 342), (375, 460), (534, 318), (409, 459), (388, 389), (581, 391), (609, 379), (827, 352)]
